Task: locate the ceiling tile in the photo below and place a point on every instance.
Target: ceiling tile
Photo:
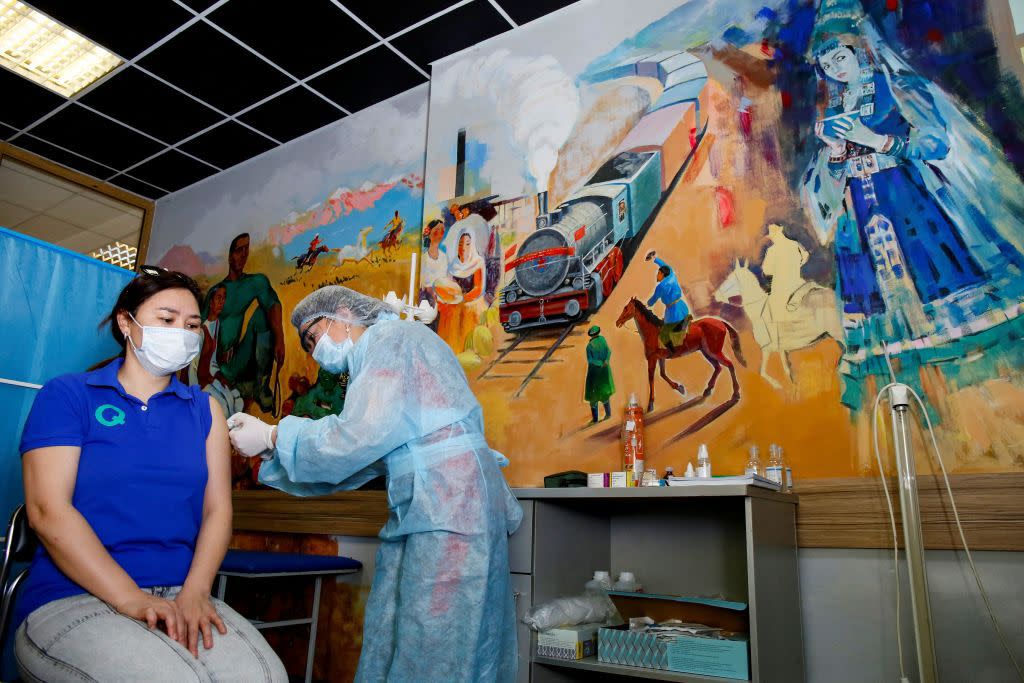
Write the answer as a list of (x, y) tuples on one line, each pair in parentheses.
[(126, 182), (84, 242), (125, 27), (320, 33), (65, 159), (524, 11), (172, 171), (388, 18), (31, 189), (227, 145), (459, 29), (367, 79), (93, 136), (215, 69), (12, 214), (164, 112), (101, 217), (292, 114), (48, 228), (23, 100)]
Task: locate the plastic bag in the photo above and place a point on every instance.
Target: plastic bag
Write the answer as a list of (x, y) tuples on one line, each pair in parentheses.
[(588, 608)]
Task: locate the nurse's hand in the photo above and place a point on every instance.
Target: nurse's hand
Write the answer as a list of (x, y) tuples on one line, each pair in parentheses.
[(250, 435), (198, 613), (154, 611)]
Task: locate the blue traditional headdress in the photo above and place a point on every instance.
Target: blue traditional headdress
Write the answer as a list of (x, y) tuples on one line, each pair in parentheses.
[(835, 18)]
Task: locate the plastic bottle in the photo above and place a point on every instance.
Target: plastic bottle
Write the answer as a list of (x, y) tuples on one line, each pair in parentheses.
[(754, 463), (602, 581), (689, 471), (703, 462), (776, 470), (627, 582), (633, 439)]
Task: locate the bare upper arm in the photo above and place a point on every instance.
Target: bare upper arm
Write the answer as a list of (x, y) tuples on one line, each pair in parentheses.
[(49, 475), (218, 460)]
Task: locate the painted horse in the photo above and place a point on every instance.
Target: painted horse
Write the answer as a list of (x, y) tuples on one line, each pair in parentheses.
[(706, 334), (307, 260), (807, 316)]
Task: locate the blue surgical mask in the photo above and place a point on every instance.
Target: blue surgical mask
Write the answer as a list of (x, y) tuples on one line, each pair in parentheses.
[(331, 355)]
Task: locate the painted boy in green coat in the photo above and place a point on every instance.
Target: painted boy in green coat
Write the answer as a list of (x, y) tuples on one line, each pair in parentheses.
[(600, 386)]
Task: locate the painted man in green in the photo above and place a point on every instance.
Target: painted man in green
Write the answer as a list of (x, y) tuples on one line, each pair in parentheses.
[(600, 386), (247, 352)]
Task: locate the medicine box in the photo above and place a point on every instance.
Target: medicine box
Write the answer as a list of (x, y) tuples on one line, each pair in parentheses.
[(726, 657), (568, 642)]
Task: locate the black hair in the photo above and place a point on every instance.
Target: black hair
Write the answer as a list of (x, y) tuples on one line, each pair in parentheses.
[(430, 226), (151, 280), (665, 270), (235, 241)]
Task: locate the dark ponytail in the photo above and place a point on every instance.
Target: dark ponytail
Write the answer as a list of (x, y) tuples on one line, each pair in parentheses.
[(151, 280)]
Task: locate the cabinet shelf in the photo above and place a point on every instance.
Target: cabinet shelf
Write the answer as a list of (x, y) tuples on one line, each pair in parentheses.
[(591, 664)]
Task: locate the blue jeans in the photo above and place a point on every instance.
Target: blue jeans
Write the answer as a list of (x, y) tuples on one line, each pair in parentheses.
[(81, 638)]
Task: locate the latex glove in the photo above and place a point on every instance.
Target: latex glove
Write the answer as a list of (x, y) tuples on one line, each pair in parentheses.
[(250, 435)]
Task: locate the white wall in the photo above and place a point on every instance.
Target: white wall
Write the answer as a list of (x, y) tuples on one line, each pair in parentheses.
[(849, 616)]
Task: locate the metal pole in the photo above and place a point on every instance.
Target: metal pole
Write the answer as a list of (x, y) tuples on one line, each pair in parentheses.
[(912, 536)]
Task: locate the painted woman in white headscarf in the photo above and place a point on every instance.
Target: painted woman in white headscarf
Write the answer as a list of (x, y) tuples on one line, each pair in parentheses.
[(926, 217), (467, 268)]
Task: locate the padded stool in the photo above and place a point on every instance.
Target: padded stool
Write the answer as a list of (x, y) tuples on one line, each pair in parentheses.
[(264, 565)]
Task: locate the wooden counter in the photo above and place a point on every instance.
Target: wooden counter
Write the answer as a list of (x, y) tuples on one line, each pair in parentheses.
[(832, 513)]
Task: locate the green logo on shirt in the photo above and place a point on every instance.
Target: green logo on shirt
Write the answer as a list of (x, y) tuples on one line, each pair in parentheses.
[(109, 416)]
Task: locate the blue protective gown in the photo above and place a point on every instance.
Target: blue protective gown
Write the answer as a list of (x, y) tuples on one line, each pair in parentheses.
[(441, 607)]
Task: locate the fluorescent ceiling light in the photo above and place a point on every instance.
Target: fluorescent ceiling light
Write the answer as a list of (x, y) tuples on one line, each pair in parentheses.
[(52, 55)]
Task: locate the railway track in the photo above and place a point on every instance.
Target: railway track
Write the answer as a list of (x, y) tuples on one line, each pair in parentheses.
[(548, 341)]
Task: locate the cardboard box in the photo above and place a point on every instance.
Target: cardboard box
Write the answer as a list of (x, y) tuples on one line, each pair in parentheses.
[(568, 642), (727, 657)]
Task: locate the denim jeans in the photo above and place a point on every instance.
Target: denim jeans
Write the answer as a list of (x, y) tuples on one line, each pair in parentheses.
[(82, 638)]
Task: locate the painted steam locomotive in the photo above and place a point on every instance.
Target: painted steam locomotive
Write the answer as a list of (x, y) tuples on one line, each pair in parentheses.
[(570, 264)]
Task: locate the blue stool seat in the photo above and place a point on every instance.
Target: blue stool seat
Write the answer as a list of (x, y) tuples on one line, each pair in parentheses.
[(253, 562)]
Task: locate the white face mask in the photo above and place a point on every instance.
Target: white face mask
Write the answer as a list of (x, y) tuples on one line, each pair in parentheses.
[(330, 355), (165, 350)]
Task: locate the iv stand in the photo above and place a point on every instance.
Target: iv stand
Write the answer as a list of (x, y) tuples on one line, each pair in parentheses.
[(899, 400)]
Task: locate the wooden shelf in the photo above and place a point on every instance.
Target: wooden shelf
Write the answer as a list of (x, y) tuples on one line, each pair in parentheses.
[(591, 664)]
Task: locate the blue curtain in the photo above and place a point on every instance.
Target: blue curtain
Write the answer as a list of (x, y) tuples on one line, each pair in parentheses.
[(52, 301)]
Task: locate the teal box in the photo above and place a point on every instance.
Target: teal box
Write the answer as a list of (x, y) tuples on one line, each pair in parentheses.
[(726, 658), (723, 657)]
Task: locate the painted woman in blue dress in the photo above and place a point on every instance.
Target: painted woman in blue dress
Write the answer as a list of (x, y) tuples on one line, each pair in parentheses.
[(925, 215)]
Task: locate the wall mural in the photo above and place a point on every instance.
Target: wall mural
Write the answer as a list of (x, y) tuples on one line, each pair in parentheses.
[(748, 214), (340, 206)]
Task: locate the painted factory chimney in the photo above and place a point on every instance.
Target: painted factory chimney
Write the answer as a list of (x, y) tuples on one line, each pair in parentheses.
[(460, 164), (542, 203)]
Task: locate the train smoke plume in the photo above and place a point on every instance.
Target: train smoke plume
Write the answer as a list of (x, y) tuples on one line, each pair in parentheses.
[(533, 95)]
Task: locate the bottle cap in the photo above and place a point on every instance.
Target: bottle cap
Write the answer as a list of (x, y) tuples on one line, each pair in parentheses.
[(632, 399), (690, 474), (626, 576), (702, 452), (602, 575)]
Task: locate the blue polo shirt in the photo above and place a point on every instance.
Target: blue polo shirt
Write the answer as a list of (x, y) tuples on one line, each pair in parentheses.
[(141, 475)]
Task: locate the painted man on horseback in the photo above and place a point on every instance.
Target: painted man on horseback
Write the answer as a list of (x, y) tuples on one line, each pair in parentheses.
[(677, 312)]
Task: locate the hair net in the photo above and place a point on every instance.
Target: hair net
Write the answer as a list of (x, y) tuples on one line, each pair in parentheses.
[(341, 304)]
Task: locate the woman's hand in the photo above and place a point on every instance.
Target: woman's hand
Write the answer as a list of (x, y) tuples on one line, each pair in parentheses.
[(857, 133), (154, 611), (835, 145), (198, 613)]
